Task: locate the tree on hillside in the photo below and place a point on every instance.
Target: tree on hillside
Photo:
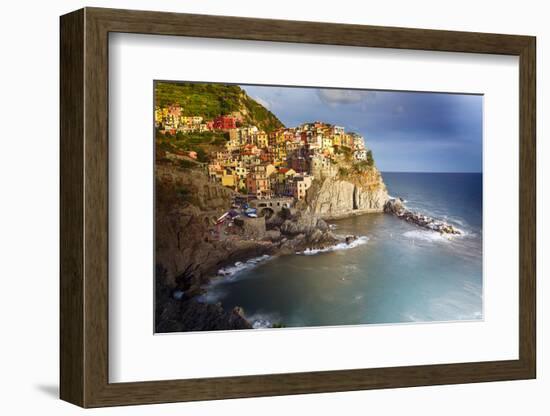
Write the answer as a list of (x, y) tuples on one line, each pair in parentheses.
[(225, 107), (201, 155), (370, 159)]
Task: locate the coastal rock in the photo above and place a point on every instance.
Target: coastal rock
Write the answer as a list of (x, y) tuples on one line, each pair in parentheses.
[(338, 198), (315, 237), (301, 223), (322, 225), (272, 235), (370, 200), (252, 228), (276, 220), (178, 311), (191, 315), (394, 206), (397, 207)]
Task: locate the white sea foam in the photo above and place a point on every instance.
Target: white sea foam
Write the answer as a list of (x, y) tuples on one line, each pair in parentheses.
[(215, 289), (427, 235), (263, 320), (231, 271), (337, 247), (457, 221), (394, 197)]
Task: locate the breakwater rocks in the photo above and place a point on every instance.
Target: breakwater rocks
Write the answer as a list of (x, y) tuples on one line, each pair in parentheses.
[(396, 207)]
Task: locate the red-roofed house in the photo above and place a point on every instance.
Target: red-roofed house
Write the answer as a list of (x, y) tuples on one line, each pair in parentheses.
[(225, 123)]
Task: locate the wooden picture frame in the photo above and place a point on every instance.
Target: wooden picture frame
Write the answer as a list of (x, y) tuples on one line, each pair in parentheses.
[(84, 207)]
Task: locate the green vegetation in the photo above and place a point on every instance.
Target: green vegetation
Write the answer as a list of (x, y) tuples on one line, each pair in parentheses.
[(207, 100), (202, 156), (343, 172), (210, 100), (346, 151), (370, 158), (259, 116), (362, 166), (187, 164), (202, 143)]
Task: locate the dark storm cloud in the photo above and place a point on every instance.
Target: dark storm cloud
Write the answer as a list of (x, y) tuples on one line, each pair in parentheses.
[(337, 96)]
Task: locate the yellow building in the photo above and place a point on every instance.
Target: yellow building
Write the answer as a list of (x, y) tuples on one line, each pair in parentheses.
[(261, 139), (228, 179), (158, 115)]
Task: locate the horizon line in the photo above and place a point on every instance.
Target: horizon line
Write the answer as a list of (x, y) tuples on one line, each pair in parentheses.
[(426, 171)]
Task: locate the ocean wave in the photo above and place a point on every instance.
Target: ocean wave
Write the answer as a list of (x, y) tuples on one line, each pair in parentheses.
[(337, 247), (395, 197), (231, 271), (263, 320), (215, 289), (427, 235), (458, 221)]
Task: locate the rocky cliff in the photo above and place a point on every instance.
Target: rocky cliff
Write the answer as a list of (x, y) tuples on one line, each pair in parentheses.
[(348, 194), (190, 248)]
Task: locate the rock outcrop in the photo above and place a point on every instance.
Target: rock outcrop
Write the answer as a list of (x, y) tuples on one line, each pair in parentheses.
[(252, 228), (176, 311), (396, 207), (338, 197)]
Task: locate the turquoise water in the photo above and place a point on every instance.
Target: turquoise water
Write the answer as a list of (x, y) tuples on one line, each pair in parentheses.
[(397, 273)]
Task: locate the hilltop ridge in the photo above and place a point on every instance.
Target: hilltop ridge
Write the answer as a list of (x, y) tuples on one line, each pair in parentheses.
[(210, 100)]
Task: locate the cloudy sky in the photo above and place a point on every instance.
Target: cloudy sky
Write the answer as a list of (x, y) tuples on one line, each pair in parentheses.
[(407, 131)]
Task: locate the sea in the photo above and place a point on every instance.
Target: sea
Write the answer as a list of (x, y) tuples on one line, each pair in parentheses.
[(395, 272)]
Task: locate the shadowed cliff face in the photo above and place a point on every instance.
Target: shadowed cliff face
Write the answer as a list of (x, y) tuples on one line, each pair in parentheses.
[(186, 210), (185, 206), (342, 196)]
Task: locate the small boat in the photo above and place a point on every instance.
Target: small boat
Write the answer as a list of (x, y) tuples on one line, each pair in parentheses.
[(222, 218)]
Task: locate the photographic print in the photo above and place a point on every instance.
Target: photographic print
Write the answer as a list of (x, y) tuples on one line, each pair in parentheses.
[(286, 206)]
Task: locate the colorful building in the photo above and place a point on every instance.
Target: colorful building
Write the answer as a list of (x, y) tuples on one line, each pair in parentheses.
[(225, 123), (300, 184)]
